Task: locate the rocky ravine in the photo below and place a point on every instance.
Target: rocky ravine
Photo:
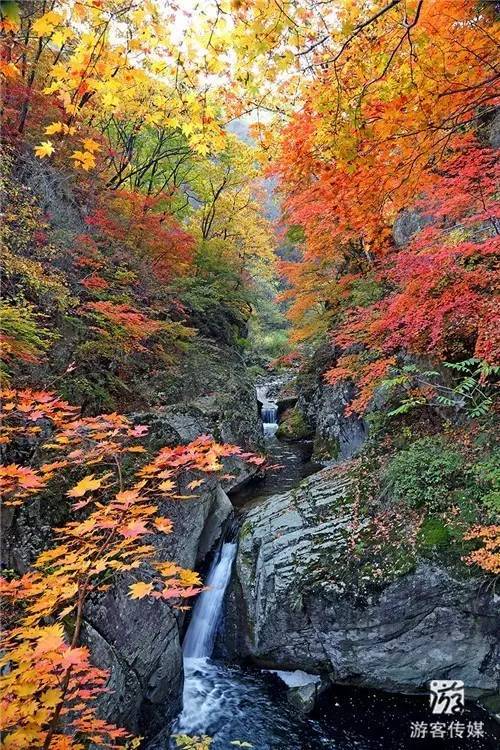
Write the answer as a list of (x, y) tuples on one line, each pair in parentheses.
[(291, 606), (139, 641)]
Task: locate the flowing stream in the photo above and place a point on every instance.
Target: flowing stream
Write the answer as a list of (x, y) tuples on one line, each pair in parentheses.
[(236, 705)]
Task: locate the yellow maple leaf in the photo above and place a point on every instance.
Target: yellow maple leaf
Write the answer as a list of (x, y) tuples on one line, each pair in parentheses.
[(83, 159), (166, 486), (190, 577), (54, 127), (44, 26), (86, 484), (54, 86), (45, 148), (164, 525), (167, 569), (139, 590), (90, 145), (24, 689), (51, 697)]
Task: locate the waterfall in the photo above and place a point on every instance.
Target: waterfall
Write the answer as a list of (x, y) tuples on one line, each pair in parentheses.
[(206, 690), (268, 413), (200, 635)]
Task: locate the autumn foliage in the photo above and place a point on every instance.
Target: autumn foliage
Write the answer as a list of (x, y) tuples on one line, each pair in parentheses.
[(48, 683), (391, 123)]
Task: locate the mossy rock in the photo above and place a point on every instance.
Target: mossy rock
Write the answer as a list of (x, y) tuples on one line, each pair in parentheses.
[(294, 426), (246, 530), (326, 448)]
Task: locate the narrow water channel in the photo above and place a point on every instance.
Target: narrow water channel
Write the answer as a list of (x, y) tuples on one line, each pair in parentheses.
[(235, 705)]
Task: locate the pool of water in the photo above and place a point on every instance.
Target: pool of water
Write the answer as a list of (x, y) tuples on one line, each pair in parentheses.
[(232, 704)]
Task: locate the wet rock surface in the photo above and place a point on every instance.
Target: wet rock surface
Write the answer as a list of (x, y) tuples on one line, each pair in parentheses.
[(336, 435)]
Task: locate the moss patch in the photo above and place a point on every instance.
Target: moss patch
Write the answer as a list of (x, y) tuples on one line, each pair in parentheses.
[(433, 533), (294, 426)]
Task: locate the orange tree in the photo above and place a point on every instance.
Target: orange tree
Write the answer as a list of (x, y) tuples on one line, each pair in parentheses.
[(48, 681), (398, 92)]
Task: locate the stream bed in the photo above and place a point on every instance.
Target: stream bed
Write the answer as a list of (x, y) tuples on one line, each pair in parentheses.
[(233, 704)]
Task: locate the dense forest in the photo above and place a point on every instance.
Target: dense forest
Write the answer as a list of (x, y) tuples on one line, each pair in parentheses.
[(202, 198)]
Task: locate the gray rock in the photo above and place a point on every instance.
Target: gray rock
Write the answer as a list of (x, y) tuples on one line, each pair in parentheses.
[(494, 131), (428, 623), (303, 697), (336, 435), (212, 393), (138, 642), (408, 223)]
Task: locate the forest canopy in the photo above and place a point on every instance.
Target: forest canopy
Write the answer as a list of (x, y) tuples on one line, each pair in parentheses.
[(145, 145)]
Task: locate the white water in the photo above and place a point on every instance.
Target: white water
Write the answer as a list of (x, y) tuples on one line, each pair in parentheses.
[(268, 413), (200, 635), (205, 695)]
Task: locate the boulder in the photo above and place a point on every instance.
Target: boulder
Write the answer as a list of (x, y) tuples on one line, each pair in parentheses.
[(303, 697), (293, 606), (293, 426), (409, 222)]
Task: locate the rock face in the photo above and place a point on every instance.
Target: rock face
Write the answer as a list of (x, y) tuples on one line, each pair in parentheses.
[(408, 223), (211, 393), (336, 435), (428, 623)]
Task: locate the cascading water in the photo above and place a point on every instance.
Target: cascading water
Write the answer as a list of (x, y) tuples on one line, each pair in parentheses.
[(200, 635), (268, 413)]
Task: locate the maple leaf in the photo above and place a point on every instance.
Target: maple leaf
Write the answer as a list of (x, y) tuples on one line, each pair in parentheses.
[(51, 697), (127, 497), (44, 26), (8, 69), (140, 430), (190, 577), (166, 486), (133, 529), (195, 483), (140, 590), (45, 148), (90, 145), (51, 640), (163, 524), (83, 159), (87, 484), (54, 127)]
